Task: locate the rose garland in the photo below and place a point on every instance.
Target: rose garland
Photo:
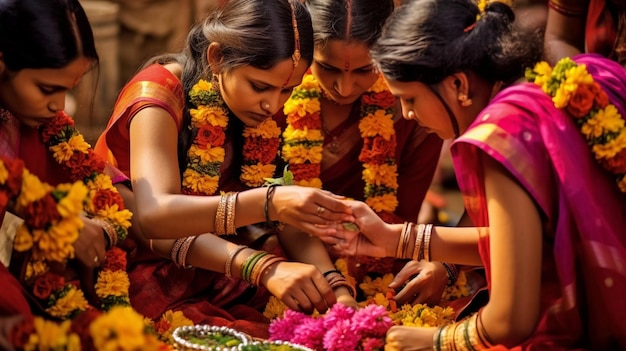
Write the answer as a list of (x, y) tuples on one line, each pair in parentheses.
[(205, 156), (572, 88), (304, 141)]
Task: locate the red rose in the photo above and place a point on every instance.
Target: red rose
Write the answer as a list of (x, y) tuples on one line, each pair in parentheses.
[(115, 259), (305, 171), (41, 213), (107, 197), (601, 98), (46, 284), (210, 136), (581, 101), (383, 99), (616, 164), (377, 150)]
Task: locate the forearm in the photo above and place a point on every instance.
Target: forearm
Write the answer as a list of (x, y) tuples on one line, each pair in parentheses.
[(293, 242)]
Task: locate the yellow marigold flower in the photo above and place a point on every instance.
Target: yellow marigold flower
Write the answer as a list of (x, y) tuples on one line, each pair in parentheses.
[(311, 183), (379, 285), (375, 124), (62, 152), (199, 183), (543, 69), (102, 181), (120, 329), (32, 189), (385, 202), (49, 335), (301, 107), (274, 308), (305, 134), (378, 299), (381, 175), (267, 129), (611, 148), (36, 268), (562, 96), (112, 283), (112, 213), (72, 203), (606, 120), (73, 300), (578, 75), (4, 173), (208, 115), (308, 83), (300, 154), (212, 154), (202, 85), (255, 174), (175, 320), (23, 239), (342, 266), (379, 86)]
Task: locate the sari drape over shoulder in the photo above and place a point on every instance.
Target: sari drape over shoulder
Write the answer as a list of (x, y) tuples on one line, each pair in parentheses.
[(583, 211), (157, 284)]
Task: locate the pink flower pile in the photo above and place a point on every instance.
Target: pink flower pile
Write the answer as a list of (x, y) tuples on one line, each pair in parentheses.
[(341, 329)]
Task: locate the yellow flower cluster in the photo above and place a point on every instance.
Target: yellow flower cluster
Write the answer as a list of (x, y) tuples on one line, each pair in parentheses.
[(122, 329), (573, 89), (420, 315), (52, 336)]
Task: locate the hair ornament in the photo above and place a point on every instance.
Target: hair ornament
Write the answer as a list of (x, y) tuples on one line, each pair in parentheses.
[(296, 36)]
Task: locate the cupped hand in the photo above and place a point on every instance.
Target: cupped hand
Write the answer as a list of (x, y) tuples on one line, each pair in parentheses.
[(300, 286), (420, 282), (402, 338), (310, 209), (90, 252)]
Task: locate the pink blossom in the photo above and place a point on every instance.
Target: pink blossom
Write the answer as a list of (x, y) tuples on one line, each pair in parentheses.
[(341, 337), (310, 333), (372, 344), (372, 320), (337, 313), (283, 328)]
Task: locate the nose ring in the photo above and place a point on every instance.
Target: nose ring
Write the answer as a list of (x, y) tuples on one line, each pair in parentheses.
[(411, 114), (266, 106)]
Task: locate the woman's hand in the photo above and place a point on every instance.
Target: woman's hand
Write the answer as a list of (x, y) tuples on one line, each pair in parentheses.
[(300, 286), (309, 209), (420, 282), (409, 338), (90, 251)]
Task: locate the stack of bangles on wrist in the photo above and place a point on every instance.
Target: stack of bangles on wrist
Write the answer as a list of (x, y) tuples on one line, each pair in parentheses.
[(254, 267), (180, 249), (225, 214), (417, 237), (109, 231), (465, 335), (336, 279)]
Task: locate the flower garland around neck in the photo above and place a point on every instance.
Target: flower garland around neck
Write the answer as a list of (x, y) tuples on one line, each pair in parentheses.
[(303, 138), (52, 221), (206, 154), (573, 89)]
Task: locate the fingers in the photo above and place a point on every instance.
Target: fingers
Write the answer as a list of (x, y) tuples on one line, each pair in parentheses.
[(317, 295)]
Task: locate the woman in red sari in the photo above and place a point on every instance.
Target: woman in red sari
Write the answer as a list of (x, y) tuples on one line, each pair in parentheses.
[(199, 123), (593, 26), (343, 77), (548, 208)]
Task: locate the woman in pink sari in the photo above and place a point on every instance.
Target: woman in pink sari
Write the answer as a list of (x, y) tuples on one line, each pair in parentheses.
[(548, 211)]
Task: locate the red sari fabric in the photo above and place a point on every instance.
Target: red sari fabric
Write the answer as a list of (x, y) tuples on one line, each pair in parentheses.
[(157, 284), (584, 247)]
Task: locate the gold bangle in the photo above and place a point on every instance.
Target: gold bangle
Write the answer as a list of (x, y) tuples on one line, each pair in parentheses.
[(417, 250), (220, 215), (230, 213), (228, 265), (427, 232)]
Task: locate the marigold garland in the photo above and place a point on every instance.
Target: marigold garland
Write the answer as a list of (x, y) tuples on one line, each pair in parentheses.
[(209, 121), (303, 141), (52, 220), (573, 89)]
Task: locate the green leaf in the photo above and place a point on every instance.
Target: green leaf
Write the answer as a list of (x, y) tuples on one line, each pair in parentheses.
[(350, 226)]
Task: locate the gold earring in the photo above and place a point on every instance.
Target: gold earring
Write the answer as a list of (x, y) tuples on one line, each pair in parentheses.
[(465, 101)]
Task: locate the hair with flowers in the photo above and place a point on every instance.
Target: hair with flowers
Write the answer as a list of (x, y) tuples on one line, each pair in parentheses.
[(573, 89)]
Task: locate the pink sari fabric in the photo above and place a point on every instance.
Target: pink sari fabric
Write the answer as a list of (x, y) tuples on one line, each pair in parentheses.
[(157, 284), (584, 249)]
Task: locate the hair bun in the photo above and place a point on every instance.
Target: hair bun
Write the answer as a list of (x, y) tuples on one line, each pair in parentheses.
[(501, 7)]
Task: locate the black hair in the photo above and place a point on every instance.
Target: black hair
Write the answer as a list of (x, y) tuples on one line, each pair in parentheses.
[(351, 20), (38, 34), (428, 40), (257, 33)]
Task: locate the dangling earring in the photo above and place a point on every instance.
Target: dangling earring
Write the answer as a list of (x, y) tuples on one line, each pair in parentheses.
[(465, 101)]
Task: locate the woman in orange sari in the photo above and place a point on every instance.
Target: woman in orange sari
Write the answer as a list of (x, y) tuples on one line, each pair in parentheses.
[(194, 133)]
